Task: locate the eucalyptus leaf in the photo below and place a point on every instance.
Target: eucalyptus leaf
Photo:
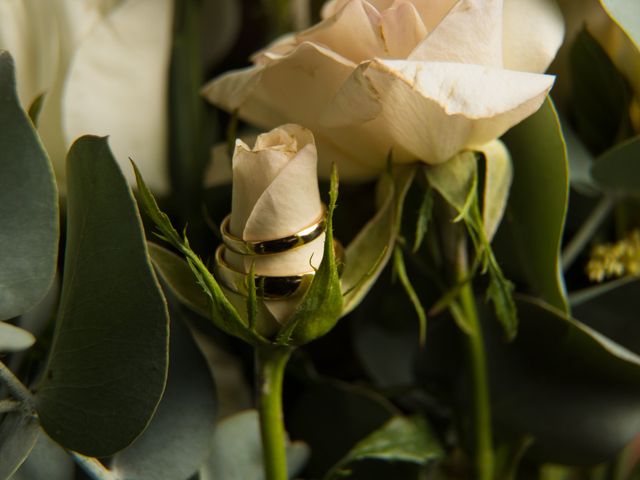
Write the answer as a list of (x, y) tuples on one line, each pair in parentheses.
[(401, 439), (626, 14), (47, 460), (178, 438), (28, 205), (18, 435), (108, 362), (237, 451), (369, 252), (14, 339), (573, 389), (535, 216), (618, 169), (600, 94)]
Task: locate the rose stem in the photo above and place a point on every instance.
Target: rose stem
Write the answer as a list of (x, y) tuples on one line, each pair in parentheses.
[(270, 364), (484, 461)]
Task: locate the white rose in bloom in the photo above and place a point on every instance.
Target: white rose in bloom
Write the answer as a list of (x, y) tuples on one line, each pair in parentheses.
[(427, 78), (275, 194), (102, 65)]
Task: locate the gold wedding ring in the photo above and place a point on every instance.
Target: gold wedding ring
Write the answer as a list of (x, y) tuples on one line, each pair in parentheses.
[(277, 245), (270, 287)]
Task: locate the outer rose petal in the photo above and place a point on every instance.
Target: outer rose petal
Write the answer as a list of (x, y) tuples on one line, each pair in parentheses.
[(469, 33), (296, 88), (435, 109), (117, 85), (533, 33)]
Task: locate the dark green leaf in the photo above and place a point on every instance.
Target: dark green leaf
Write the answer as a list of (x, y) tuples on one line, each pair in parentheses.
[(28, 205), (321, 306), (401, 439), (618, 170), (18, 434), (177, 440), (223, 313), (237, 451), (574, 390), (108, 362), (600, 94), (534, 221), (342, 416)]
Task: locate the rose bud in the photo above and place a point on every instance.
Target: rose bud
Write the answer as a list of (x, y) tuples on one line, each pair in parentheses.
[(276, 225)]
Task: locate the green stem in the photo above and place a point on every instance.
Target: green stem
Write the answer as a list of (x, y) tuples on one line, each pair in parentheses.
[(483, 442), (586, 232), (16, 389), (271, 363)]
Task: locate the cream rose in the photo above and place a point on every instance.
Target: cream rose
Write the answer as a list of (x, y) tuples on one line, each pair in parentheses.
[(103, 68), (275, 195), (426, 78)]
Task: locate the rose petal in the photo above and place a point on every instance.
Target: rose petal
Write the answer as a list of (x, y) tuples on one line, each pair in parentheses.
[(117, 86), (433, 11), (533, 33), (351, 32), (291, 88), (290, 203), (470, 33), (402, 29), (435, 109)]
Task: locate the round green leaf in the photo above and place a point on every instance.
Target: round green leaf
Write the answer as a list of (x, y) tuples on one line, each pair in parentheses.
[(573, 389), (534, 221), (28, 205), (108, 362), (177, 440)]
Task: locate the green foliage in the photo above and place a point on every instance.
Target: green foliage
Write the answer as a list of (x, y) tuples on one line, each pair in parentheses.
[(401, 439), (424, 218), (401, 271), (534, 221), (618, 169), (47, 460), (13, 339), (28, 205), (600, 94), (108, 363)]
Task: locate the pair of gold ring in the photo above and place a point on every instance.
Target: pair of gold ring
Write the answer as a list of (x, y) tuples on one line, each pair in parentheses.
[(270, 287)]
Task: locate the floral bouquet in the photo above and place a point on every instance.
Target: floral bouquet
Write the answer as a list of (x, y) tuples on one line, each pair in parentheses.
[(277, 239)]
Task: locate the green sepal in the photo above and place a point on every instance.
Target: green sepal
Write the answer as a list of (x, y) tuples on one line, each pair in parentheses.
[(321, 306), (401, 271), (223, 314), (457, 182)]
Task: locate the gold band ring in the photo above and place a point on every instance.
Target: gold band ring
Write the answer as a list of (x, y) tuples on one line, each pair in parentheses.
[(269, 287), (277, 245)]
